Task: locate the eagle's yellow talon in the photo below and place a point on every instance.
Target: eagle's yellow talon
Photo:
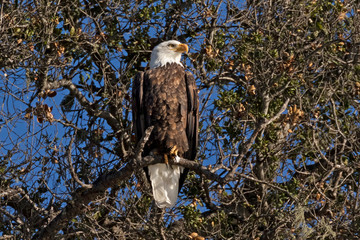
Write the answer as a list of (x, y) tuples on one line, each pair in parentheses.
[(166, 159), (174, 151)]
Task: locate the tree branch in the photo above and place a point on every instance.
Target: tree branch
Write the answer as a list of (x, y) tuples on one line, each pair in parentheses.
[(71, 167), (91, 108)]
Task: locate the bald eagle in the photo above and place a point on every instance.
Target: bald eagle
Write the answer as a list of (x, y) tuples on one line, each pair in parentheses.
[(166, 97)]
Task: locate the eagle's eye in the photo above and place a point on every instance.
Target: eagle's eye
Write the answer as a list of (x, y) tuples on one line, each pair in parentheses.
[(170, 45)]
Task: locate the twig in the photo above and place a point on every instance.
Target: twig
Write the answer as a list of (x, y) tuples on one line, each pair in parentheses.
[(141, 144), (7, 192), (71, 167)]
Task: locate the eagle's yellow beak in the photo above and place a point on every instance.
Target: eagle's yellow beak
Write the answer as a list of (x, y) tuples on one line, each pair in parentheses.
[(183, 48)]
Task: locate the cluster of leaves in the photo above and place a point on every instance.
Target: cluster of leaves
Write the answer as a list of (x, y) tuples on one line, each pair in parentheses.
[(279, 141)]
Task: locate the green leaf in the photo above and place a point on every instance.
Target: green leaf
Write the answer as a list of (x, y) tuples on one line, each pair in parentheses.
[(72, 31)]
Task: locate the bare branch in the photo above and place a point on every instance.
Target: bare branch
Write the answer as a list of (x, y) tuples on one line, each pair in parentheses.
[(71, 168)]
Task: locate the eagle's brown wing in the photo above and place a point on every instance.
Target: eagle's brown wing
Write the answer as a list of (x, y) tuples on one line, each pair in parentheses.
[(138, 112), (192, 126)]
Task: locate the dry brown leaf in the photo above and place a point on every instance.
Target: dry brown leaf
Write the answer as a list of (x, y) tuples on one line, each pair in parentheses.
[(209, 50), (40, 119), (252, 90), (231, 65), (51, 93), (357, 85), (342, 15), (28, 116), (318, 196), (193, 235), (31, 47)]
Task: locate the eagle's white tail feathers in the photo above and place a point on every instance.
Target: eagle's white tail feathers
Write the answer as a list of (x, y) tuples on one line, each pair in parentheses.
[(165, 183)]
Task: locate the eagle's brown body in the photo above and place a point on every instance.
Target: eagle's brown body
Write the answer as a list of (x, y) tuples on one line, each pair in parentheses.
[(166, 98)]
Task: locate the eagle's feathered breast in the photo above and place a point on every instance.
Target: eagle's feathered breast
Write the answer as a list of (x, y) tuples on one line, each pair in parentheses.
[(166, 108)]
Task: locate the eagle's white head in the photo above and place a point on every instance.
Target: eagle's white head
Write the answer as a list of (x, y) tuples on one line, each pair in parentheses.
[(167, 52)]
